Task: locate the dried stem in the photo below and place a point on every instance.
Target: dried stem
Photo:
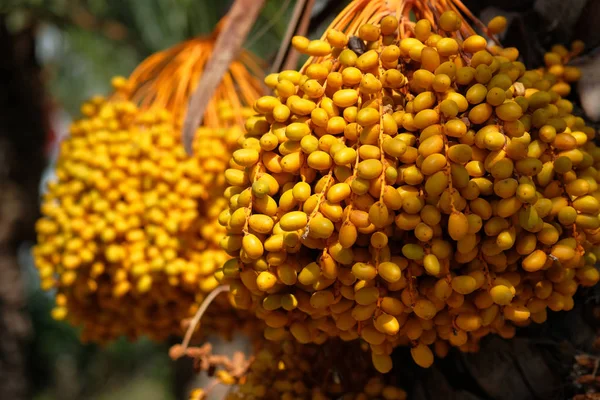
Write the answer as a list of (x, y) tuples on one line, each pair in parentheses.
[(239, 20)]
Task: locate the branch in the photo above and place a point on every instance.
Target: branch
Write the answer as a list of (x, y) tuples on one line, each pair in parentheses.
[(203, 307), (240, 19)]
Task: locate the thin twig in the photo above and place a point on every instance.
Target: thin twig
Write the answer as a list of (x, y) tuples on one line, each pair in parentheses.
[(291, 60), (298, 25), (240, 19), (194, 322), (265, 28)]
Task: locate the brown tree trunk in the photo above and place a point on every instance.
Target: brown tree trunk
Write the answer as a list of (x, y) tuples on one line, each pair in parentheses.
[(22, 133)]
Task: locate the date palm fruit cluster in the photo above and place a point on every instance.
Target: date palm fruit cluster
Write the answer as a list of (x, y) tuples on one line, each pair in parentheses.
[(411, 187), (129, 234), (289, 370)]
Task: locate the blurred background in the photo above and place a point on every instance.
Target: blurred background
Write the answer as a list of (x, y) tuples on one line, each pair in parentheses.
[(54, 54)]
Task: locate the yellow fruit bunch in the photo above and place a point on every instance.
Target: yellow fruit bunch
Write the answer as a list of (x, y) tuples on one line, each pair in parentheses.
[(129, 234), (289, 370), (408, 186), (556, 70)]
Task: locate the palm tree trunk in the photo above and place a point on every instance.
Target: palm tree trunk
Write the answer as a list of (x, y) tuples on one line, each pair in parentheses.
[(22, 134)]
